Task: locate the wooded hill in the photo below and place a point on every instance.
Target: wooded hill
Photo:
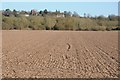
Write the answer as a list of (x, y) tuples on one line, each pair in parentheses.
[(47, 20)]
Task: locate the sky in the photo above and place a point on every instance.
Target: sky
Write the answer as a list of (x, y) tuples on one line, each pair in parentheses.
[(60, 0), (92, 8)]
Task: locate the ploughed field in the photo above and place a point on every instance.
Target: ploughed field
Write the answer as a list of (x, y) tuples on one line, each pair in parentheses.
[(60, 54)]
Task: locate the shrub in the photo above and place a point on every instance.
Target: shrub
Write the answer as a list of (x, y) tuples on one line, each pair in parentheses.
[(60, 23)]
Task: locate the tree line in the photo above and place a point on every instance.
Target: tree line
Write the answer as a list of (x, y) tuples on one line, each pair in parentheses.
[(47, 20)]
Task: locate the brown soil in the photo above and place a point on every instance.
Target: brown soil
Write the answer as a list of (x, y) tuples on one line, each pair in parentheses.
[(60, 54)]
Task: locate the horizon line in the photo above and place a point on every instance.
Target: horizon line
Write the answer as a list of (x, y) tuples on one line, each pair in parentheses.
[(61, 12)]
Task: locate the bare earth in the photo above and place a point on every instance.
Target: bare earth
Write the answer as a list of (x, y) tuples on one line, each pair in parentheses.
[(60, 54)]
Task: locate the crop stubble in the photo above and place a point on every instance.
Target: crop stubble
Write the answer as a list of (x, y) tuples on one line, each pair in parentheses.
[(60, 54)]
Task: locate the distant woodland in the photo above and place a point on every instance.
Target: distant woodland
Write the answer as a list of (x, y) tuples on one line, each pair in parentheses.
[(47, 20)]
